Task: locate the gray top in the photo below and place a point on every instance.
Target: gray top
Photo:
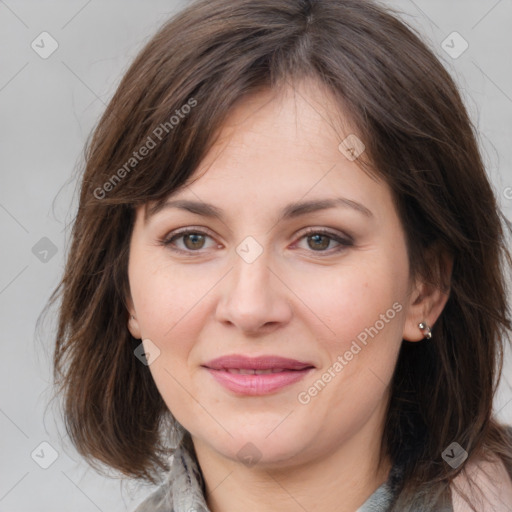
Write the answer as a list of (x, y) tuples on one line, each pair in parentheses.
[(182, 490)]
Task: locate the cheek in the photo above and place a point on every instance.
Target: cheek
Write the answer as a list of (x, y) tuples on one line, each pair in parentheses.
[(165, 296), (359, 358), (363, 306), (173, 304), (168, 304), (354, 297)]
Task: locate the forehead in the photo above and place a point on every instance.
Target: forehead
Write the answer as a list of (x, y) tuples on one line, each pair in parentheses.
[(302, 117), (279, 147)]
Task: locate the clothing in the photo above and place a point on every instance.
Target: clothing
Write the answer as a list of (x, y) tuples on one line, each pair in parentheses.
[(182, 490)]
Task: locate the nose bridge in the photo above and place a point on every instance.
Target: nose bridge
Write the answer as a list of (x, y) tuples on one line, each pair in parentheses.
[(252, 296), (251, 273)]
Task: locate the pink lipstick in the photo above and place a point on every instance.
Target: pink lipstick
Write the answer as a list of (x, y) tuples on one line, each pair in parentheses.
[(256, 375)]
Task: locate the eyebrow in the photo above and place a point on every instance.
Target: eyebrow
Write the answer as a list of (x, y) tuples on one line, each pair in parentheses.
[(291, 211)]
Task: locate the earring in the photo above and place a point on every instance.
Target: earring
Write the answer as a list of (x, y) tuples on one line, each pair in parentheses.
[(427, 330)]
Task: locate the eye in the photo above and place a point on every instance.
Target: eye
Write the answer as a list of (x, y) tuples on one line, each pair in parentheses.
[(193, 240), (319, 240)]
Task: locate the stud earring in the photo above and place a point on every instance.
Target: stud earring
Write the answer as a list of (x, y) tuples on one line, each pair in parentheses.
[(427, 331)]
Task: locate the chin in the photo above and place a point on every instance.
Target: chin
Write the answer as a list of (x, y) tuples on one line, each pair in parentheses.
[(254, 446)]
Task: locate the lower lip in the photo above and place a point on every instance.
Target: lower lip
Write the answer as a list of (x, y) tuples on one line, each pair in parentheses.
[(262, 384)]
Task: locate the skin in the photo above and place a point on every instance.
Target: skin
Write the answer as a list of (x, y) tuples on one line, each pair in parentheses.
[(301, 298)]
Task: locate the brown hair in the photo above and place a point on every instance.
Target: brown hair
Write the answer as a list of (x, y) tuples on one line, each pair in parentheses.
[(417, 133)]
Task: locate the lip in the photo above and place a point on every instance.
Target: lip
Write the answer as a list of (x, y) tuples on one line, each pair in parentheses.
[(281, 372)]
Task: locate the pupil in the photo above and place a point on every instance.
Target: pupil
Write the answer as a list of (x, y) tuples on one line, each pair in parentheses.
[(316, 237), (194, 239)]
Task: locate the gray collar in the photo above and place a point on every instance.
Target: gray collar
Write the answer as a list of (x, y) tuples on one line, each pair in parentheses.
[(183, 490)]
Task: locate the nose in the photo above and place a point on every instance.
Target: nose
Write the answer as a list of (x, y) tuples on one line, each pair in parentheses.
[(254, 298)]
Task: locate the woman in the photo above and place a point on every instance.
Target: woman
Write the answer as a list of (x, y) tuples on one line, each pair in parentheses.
[(286, 285)]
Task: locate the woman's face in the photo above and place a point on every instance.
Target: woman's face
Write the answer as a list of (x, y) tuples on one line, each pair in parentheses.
[(270, 272)]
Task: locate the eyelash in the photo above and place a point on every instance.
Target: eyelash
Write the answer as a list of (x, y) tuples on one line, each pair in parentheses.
[(344, 243)]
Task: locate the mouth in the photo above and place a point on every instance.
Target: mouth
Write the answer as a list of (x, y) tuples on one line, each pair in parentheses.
[(249, 371), (257, 376)]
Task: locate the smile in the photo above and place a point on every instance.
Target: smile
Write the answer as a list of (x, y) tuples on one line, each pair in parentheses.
[(256, 376)]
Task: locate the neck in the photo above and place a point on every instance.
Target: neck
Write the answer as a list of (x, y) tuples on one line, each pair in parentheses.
[(340, 480)]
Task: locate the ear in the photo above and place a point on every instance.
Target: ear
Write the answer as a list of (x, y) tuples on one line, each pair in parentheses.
[(133, 324), (428, 299)]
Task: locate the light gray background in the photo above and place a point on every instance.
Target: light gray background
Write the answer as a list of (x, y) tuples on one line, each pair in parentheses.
[(47, 109)]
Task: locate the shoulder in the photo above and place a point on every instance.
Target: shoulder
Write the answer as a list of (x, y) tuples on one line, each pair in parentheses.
[(493, 490)]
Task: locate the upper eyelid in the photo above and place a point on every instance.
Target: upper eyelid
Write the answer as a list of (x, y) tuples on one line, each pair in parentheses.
[(188, 230), (207, 231)]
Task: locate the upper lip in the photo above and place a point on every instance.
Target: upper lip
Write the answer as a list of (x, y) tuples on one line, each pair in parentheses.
[(266, 362)]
